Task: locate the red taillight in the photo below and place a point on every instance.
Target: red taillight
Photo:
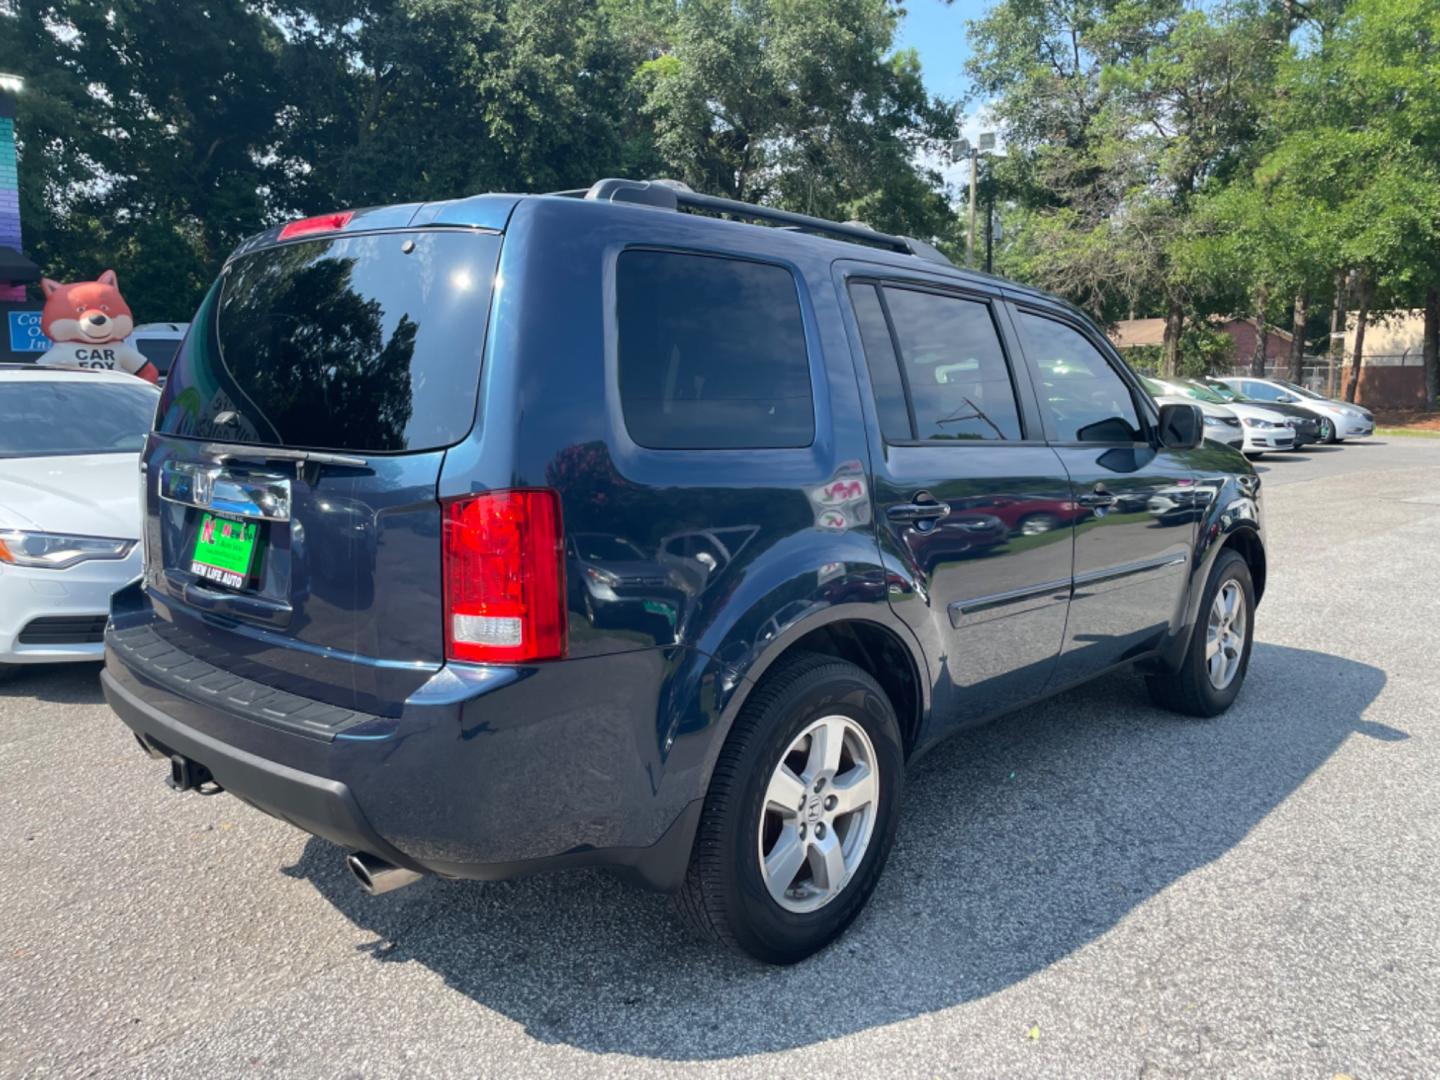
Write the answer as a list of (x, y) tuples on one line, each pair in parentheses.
[(504, 577), (318, 223)]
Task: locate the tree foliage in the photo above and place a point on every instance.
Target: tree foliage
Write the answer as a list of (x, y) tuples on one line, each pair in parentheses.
[(155, 134), (1184, 159)]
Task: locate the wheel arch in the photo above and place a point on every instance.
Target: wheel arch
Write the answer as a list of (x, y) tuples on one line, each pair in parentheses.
[(1245, 540)]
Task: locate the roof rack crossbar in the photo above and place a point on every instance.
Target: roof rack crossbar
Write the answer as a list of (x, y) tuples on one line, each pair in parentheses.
[(671, 195)]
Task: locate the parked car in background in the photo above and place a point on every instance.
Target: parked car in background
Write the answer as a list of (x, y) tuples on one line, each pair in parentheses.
[(1264, 430), (1301, 421), (1221, 424), (805, 456), (1337, 420), (158, 343), (70, 446)]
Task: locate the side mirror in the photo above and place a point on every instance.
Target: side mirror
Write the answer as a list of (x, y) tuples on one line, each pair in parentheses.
[(1287, 399), (1182, 427)]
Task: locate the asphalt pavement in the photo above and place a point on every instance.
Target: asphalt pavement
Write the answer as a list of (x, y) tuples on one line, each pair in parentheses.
[(1089, 887)]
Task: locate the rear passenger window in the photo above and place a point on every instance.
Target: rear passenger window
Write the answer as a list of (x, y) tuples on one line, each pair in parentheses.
[(1085, 397), (712, 353), (954, 367)]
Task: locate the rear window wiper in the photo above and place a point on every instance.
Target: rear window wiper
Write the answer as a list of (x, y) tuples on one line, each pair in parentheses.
[(230, 451)]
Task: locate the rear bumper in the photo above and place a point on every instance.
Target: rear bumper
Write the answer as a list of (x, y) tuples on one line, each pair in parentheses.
[(313, 803), (487, 773)]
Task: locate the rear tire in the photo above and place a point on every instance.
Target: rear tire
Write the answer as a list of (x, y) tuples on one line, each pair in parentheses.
[(740, 888), (1195, 689)]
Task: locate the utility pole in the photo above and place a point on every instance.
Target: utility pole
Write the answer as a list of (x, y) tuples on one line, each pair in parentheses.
[(970, 232), (964, 147)]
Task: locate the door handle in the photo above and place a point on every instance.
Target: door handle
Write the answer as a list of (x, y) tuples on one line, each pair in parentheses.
[(918, 511), (1097, 498)]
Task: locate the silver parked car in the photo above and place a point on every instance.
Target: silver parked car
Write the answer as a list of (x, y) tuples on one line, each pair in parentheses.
[(1338, 420)]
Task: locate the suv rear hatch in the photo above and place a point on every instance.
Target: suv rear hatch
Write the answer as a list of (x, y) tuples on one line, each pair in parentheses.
[(293, 532)]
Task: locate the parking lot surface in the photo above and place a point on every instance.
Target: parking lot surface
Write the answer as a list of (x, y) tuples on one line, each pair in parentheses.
[(1086, 888)]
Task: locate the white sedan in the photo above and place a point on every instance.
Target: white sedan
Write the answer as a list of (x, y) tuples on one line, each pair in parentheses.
[(1259, 429), (70, 446)]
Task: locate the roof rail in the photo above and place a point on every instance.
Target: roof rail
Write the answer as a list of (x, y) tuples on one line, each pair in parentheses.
[(673, 195)]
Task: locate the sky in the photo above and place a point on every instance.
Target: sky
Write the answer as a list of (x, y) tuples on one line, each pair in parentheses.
[(937, 31)]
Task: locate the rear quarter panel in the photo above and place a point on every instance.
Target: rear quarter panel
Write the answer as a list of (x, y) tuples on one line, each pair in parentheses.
[(786, 534)]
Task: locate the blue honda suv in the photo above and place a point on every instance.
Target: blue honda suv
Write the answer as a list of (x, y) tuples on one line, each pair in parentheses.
[(637, 528)]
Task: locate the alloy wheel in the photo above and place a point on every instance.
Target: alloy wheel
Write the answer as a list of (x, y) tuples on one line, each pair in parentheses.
[(1225, 635), (819, 814)]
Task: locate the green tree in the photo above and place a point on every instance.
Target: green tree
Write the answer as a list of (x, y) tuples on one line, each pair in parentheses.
[(396, 100), (138, 150), (1122, 114), (798, 103), (1360, 117)]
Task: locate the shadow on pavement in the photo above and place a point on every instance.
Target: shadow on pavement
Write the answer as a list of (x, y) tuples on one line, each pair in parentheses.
[(1020, 843), (63, 684)]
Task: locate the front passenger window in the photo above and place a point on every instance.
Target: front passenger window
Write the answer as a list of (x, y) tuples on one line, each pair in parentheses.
[(1084, 396)]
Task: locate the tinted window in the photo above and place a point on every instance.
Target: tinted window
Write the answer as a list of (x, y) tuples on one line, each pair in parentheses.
[(712, 353), (955, 368), (47, 417), (1085, 397), (883, 364), (159, 351), (351, 343)]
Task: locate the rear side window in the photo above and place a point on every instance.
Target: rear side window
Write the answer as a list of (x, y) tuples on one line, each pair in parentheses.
[(366, 343), (712, 353), (159, 351), (954, 366)]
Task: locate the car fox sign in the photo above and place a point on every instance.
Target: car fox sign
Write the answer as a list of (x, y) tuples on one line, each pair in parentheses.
[(88, 323)]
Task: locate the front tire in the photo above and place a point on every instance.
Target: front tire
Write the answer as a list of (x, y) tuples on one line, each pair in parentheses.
[(800, 815), (1210, 676)]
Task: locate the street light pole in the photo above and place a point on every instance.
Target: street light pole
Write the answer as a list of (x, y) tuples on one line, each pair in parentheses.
[(963, 147), (970, 231)]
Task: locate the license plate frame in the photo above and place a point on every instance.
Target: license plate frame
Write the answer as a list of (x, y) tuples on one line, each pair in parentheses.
[(226, 550)]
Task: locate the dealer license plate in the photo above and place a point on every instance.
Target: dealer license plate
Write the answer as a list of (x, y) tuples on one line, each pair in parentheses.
[(225, 550)]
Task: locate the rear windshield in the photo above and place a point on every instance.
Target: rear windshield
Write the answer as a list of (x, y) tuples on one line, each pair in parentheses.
[(49, 417), (366, 343)]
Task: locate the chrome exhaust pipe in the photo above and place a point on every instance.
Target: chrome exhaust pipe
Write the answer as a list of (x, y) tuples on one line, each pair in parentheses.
[(376, 876)]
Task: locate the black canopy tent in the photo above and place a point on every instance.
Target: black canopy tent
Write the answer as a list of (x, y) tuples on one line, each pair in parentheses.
[(16, 269)]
